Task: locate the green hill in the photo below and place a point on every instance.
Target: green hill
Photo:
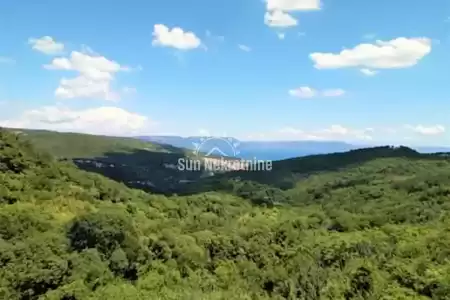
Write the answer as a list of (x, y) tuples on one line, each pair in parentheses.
[(77, 145), (144, 165), (138, 164), (364, 226), (278, 184)]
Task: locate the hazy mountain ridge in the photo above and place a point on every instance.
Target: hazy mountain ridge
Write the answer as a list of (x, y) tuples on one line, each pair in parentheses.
[(278, 150), (266, 150)]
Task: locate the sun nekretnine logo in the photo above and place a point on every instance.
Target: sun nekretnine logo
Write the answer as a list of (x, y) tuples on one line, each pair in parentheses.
[(219, 154)]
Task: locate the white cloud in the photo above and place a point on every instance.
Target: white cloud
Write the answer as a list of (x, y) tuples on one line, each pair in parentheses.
[(278, 12), (85, 87), (332, 133), (281, 35), (94, 67), (6, 60), (47, 45), (175, 38), (104, 120), (96, 74), (303, 92), (278, 18), (333, 93), (368, 72), (245, 48), (397, 53), (293, 5), (308, 92), (342, 133), (427, 130)]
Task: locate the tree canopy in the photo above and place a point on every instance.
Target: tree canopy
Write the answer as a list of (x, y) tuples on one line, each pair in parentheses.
[(370, 224)]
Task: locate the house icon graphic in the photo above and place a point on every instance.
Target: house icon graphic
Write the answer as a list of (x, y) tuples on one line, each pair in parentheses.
[(217, 146), (216, 151)]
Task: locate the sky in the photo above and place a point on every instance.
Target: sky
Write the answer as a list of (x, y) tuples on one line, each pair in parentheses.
[(350, 70)]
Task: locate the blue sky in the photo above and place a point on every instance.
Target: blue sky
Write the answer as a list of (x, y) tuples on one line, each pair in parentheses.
[(253, 69)]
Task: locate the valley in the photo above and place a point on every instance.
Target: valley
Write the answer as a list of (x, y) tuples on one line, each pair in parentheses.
[(365, 224)]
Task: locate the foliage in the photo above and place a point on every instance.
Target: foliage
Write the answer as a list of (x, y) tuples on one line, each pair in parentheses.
[(371, 224)]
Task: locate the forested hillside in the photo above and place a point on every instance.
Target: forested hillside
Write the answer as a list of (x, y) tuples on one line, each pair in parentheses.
[(370, 224), (136, 163), (78, 145)]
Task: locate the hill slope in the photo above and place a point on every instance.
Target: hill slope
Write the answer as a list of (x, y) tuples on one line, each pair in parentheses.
[(77, 145), (285, 175), (376, 229), (136, 163)]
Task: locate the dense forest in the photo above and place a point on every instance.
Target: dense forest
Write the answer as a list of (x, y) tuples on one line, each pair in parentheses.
[(138, 164), (366, 224)]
